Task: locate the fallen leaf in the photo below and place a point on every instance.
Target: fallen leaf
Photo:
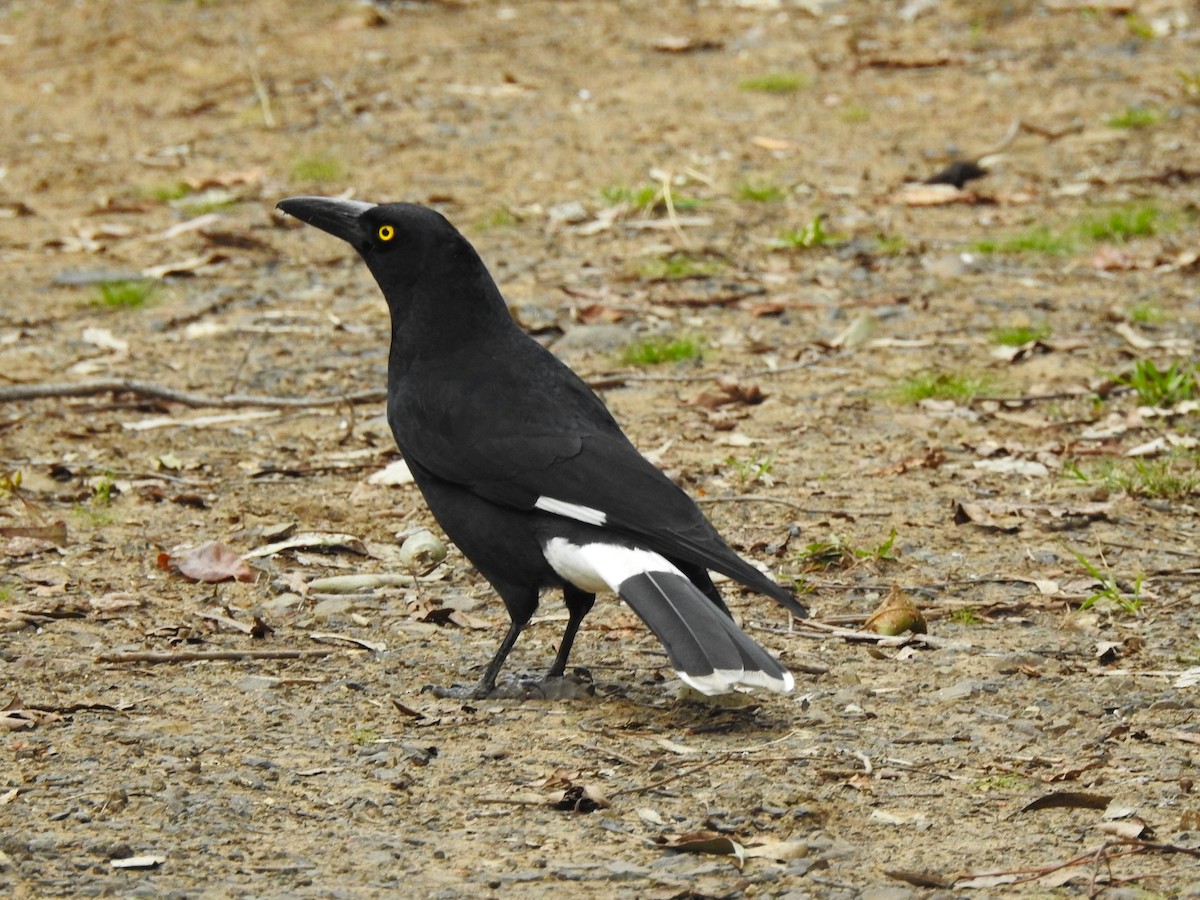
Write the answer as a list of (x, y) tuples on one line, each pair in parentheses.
[(309, 540), (671, 43), (710, 842), (211, 562), (138, 862), (1068, 800), (896, 615)]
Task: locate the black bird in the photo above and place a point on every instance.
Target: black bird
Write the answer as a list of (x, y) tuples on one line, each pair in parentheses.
[(525, 468)]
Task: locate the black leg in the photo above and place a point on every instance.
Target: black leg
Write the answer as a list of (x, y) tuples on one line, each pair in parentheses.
[(487, 684), (579, 604)]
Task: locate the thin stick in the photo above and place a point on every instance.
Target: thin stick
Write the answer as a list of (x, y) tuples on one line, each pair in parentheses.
[(685, 771), (791, 504), (201, 655), (187, 398)]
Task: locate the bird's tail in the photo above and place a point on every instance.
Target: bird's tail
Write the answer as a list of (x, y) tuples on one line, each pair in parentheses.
[(704, 644), (707, 649)]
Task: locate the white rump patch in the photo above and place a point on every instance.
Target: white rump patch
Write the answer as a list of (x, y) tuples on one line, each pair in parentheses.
[(584, 514), (601, 567)]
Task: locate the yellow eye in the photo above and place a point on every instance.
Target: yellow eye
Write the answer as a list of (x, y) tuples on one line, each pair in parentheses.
[(386, 232)]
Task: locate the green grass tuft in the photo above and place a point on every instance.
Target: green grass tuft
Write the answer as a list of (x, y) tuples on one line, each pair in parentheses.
[(776, 83), (934, 385), (1019, 335), (317, 169), (169, 191), (1038, 239), (1136, 117), (1123, 224), (1146, 312), (1162, 387), (854, 114), (654, 351), (1172, 477), (760, 193), (126, 294), (679, 266), (809, 237)]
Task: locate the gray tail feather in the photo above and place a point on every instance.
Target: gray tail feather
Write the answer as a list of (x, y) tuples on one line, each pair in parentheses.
[(704, 644)]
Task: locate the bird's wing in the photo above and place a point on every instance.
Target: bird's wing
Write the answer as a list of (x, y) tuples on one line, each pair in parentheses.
[(563, 455)]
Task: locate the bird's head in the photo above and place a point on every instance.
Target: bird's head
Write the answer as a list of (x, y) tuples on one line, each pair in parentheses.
[(401, 243)]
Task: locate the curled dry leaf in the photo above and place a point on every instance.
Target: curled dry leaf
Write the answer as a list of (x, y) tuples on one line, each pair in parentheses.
[(1068, 800), (710, 842), (730, 391), (211, 562), (896, 615)]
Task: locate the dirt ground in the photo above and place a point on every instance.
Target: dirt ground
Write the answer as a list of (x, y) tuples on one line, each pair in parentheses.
[(727, 173)]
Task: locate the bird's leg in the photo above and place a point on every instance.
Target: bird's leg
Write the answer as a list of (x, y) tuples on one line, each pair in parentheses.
[(579, 604), (487, 684)]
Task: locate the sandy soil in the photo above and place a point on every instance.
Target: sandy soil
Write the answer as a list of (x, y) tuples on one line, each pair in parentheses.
[(1047, 727)]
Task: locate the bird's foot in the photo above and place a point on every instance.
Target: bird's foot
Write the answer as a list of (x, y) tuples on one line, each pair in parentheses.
[(575, 686)]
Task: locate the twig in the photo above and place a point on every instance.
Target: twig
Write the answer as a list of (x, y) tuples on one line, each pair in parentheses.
[(187, 398), (791, 504), (179, 656), (617, 379), (679, 774)]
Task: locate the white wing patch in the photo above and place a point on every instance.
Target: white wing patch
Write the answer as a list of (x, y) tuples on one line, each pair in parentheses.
[(601, 567), (579, 513)]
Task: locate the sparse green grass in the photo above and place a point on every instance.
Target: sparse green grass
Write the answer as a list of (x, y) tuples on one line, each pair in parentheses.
[(755, 469), (1123, 224), (6, 593), (102, 491), (776, 83), (1172, 477), (1139, 27), (126, 294), (317, 169), (891, 245), (1020, 335), (854, 114), (679, 266), (169, 191), (1162, 387), (1120, 224), (655, 351), (1136, 117), (10, 482), (1146, 312), (1190, 81), (1125, 598), (646, 198), (810, 236), (760, 192), (931, 384), (1037, 239), (837, 553), (497, 218), (966, 615), (364, 736)]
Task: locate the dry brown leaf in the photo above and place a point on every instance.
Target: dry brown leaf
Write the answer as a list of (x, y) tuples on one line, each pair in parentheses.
[(896, 615), (708, 842), (1068, 800), (211, 562)]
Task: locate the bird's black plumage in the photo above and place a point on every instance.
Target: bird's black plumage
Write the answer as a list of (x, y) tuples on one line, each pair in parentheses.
[(524, 467)]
